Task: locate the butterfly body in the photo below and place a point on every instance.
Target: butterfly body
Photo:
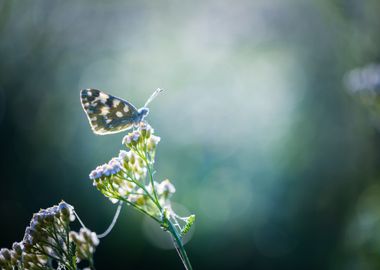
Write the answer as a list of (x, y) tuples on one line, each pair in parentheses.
[(108, 114)]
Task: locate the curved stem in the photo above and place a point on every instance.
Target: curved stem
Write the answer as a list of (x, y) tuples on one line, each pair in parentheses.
[(110, 227)]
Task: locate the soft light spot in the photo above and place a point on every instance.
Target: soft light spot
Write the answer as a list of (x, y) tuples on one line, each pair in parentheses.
[(116, 102), (119, 114), (103, 97), (126, 109), (104, 111)]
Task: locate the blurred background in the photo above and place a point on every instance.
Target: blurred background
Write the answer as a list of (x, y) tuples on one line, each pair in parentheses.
[(262, 135)]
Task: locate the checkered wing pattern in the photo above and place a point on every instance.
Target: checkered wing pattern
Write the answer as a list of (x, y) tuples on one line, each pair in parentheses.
[(108, 114)]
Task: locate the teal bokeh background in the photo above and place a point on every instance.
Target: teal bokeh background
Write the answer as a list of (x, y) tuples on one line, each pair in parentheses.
[(259, 134)]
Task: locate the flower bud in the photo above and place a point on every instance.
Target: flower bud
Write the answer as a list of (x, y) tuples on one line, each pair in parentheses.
[(6, 254), (73, 236), (17, 247), (132, 139), (146, 130), (95, 174), (14, 257), (66, 211), (32, 233), (140, 163), (132, 159), (123, 155), (94, 240), (41, 259), (3, 262), (50, 218), (27, 245), (152, 142)]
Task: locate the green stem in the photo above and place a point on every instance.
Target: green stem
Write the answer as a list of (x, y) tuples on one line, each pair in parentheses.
[(151, 180), (171, 228), (179, 245), (165, 222)]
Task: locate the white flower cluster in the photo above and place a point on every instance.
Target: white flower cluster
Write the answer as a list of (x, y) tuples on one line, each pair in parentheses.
[(125, 177), (46, 239), (121, 183)]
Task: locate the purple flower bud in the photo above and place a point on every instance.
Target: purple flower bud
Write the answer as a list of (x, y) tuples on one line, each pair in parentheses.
[(136, 136), (131, 139), (97, 173), (126, 140), (65, 209), (107, 170), (123, 155), (116, 164)]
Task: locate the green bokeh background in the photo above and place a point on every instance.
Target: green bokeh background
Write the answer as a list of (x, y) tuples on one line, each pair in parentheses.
[(259, 134)]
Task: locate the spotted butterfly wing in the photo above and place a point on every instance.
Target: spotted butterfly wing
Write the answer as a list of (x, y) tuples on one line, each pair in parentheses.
[(107, 114)]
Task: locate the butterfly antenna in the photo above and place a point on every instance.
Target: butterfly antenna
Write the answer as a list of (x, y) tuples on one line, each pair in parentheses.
[(153, 96)]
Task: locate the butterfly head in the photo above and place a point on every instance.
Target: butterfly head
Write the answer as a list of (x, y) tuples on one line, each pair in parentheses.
[(143, 112)]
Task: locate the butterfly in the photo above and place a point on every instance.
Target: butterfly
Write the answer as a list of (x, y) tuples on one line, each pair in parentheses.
[(108, 114)]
